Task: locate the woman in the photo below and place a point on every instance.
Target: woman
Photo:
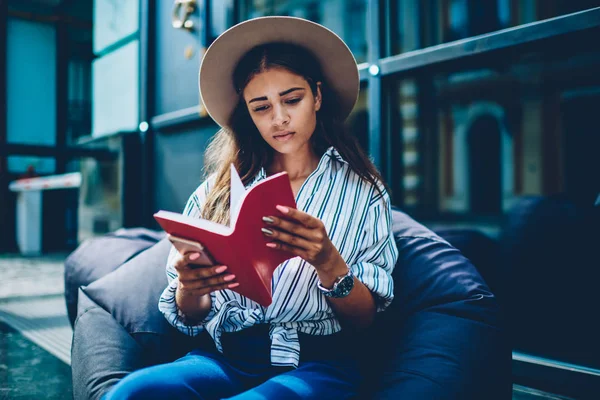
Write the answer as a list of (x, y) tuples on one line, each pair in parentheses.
[(280, 88)]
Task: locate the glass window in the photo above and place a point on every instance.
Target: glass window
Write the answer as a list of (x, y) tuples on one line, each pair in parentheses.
[(221, 16), (100, 206), (100, 203), (510, 148), (553, 8), (408, 120), (79, 81), (114, 21), (406, 36), (515, 130), (115, 106), (347, 18), (79, 104), (31, 83), (357, 123), (28, 167), (418, 24)]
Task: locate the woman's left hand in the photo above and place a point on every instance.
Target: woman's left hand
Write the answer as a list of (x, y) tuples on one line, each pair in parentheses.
[(302, 235)]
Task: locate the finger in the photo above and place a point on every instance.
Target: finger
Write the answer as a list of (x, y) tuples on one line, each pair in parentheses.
[(305, 219), (183, 260), (180, 263), (289, 226), (210, 289), (287, 238), (212, 281), (193, 274), (287, 247), (199, 258), (187, 261)]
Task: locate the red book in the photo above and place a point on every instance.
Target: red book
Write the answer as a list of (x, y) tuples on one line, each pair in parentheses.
[(241, 246)]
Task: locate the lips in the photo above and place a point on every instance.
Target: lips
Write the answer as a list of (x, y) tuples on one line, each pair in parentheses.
[(283, 136)]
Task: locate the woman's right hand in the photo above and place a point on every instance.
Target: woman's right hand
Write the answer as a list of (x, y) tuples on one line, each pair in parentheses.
[(196, 282), (198, 279)]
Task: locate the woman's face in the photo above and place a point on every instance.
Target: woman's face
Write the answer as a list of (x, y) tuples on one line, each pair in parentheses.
[(283, 109)]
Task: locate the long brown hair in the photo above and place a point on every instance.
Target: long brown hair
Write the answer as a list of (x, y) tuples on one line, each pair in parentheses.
[(243, 146)]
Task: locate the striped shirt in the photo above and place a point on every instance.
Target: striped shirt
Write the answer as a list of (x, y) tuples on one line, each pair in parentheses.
[(358, 222)]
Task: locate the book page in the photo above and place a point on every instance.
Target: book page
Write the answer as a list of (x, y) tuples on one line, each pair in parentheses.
[(237, 192)]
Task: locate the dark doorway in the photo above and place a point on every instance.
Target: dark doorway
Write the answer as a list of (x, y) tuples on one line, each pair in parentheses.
[(483, 138), (582, 148)]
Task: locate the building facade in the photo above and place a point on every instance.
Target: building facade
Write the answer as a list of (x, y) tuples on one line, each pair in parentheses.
[(466, 107)]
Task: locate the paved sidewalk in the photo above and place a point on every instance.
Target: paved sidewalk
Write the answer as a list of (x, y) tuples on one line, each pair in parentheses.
[(32, 301), (31, 276), (29, 372)]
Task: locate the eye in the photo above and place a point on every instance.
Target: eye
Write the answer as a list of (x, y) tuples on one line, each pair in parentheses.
[(293, 101), (261, 108)]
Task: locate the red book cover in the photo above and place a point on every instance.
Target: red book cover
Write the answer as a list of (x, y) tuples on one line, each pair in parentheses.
[(241, 246)]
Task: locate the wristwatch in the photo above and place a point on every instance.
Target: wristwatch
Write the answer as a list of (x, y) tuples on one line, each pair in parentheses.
[(341, 287)]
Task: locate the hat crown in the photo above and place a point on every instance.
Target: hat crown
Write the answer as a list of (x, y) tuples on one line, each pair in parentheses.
[(290, 56)]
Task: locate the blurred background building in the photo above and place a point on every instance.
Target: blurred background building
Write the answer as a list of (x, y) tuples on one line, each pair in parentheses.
[(467, 106)]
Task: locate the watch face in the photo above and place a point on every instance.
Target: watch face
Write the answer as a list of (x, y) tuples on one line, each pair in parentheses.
[(343, 287)]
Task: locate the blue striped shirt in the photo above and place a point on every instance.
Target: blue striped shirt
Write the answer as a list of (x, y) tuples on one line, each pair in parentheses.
[(358, 222)]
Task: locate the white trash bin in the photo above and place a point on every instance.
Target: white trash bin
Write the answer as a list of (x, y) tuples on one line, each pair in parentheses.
[(29, 207)]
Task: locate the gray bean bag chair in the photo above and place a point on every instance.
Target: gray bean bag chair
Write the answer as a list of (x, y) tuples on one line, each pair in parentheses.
[(440, 339)]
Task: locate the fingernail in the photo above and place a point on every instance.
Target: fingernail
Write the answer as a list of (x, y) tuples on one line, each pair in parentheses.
[(268, 220), (233, 285), (220, 269), (194, 256), (272, 245), (229, 278), (267, 231), (283, 209)]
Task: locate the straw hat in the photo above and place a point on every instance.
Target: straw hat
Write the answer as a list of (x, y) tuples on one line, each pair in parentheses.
[(216, 70)]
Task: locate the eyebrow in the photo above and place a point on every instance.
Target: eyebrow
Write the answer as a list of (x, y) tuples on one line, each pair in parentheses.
[(281, 94)]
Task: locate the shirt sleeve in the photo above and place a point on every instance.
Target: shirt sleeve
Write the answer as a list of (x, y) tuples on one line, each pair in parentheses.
[(378, 252), (166, 303)]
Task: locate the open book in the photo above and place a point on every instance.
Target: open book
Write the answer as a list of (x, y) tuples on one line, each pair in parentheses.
[(241, 246)]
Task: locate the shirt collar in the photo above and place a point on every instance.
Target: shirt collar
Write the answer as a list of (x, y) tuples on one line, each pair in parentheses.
[(333, 153)]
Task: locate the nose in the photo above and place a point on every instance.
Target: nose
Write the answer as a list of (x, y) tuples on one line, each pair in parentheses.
[(280, 116)]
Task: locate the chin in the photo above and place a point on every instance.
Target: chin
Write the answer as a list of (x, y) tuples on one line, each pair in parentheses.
[(290, 147), (283, 149)]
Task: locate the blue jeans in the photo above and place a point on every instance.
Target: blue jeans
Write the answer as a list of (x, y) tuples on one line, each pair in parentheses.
[(244, 372)]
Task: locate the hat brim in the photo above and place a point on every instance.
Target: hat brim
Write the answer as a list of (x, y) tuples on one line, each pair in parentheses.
[(216, 70)]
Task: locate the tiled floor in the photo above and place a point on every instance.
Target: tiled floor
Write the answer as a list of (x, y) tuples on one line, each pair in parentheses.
[(35, 334)]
